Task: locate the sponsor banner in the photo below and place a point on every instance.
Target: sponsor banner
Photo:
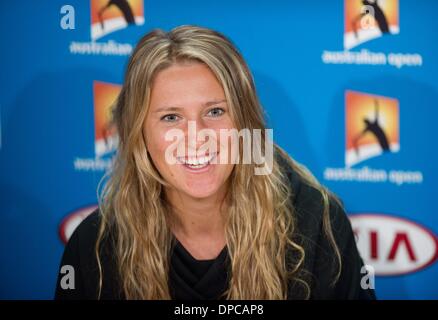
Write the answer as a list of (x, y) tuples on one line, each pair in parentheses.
[(394, 245)]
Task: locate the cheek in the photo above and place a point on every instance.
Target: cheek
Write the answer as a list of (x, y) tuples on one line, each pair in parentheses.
[(156, 145), (227, 144), (225, 124)]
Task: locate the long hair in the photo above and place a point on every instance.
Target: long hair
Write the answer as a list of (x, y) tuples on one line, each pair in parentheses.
[(260, 224)]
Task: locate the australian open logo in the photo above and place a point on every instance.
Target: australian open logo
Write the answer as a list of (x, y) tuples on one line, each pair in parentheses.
[(105, 135), (372, 130), (367, 20), (372, 126), (107, 17)]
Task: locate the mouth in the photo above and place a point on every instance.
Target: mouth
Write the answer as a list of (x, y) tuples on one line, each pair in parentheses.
[(197, 163)]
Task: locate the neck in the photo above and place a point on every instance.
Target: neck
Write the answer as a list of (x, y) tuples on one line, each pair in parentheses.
[(197, 218)]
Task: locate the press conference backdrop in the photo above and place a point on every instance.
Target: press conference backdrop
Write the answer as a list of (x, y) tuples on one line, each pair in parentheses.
[(349, 87)]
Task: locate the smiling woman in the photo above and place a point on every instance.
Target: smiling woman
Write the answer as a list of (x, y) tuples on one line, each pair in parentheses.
[(196, 95), (198, 228)]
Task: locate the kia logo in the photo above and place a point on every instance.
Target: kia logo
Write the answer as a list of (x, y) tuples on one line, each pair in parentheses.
[(393, 245), (72, 221)]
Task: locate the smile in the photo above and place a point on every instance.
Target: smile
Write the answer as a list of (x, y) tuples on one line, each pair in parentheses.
[(197, 163)]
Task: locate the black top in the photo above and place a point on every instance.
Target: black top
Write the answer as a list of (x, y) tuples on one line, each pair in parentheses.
[(197, 279), (208, 279)]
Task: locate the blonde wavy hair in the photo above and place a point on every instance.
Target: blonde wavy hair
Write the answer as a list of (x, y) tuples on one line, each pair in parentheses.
[(260, 222)]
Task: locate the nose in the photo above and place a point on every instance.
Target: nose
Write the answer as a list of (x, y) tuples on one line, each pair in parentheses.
[(197, 134)]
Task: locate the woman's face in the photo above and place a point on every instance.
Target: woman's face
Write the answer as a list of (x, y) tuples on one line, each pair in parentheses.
[(183, 93)]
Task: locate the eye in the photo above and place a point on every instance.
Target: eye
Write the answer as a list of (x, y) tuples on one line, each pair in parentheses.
[(216, 112), (170, 118)]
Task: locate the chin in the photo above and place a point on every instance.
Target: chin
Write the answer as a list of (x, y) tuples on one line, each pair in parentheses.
[(201, 192)]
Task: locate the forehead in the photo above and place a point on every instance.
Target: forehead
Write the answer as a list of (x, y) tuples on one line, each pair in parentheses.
[(186, 83)]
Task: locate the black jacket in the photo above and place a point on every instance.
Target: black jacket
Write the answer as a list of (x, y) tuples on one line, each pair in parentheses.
[(192, 279)]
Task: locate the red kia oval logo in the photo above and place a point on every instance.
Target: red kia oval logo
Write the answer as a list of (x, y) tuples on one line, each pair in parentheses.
[(393, 245), (71, 222)]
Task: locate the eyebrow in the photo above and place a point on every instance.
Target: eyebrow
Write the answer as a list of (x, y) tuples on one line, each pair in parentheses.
[(206, 104)]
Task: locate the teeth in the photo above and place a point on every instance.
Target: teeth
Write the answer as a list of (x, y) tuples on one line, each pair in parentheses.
[(198, 166), (196, 162)]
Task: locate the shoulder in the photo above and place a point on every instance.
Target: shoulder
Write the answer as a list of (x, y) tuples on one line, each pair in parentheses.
[(88, 226), (82, 241), (80, 253), (307, 199), (313, 204), (310, 215), (86, 232)]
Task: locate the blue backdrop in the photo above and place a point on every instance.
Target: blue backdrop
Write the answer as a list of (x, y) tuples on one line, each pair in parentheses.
[(317, 80)]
